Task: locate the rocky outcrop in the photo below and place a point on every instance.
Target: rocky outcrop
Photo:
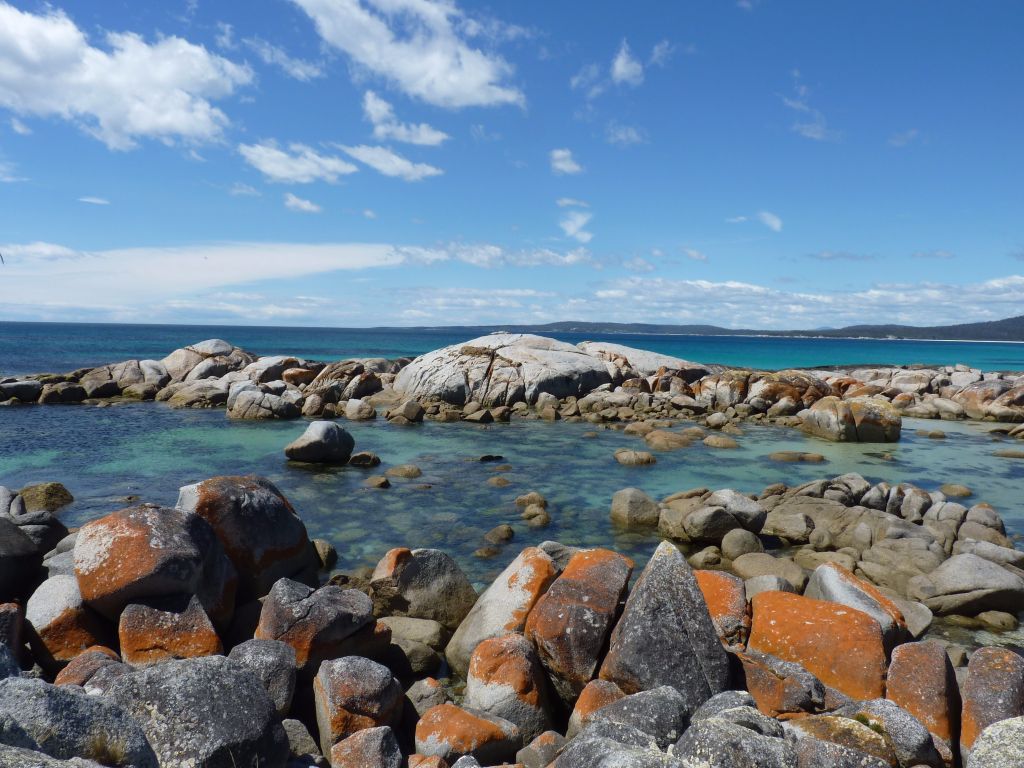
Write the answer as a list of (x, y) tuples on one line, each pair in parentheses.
[(860, 420)]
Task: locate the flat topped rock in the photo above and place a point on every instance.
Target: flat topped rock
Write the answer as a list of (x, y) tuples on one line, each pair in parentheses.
[(641, 361), (212, 347)]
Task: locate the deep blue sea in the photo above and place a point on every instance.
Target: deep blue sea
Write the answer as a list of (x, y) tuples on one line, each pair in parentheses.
[(58, 347)]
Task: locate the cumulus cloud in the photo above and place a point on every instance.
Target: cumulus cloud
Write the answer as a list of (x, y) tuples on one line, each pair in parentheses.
[(298, 164), (770, 220), (573, 224), (390, 163), (626, 68), (128, 90), (562, 162), (416, 46), (387, 127), (276, 56), (295, 203), (94, 200)]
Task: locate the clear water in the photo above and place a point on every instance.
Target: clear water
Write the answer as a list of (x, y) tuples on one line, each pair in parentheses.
[(37, 347), (148, 450)]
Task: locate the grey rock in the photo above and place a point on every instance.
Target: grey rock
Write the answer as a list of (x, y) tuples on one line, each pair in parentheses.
[(719, 743), (762, 564), (301, 743), (1001, 745), (368, 748), (273, 663), (967, 584), (767, 583), (425, 694), (721, 702), (541, 751), (9, 666), (323, 442), (600, 752), (365, 691), (815, 753), (909, 738), (422, 584), (632, 508), (747, 512), (665, 635), (660, 712), (831, 584), (740, 542), (206, 712), (64, 722), (20, 561), (13, 757)]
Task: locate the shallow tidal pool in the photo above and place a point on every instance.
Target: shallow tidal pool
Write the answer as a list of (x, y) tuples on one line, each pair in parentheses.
[(148, 450)]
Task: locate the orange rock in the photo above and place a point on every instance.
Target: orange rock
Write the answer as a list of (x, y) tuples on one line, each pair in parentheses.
[(781, 689), (841, 646), (596, 694), (994, 691), (171, 629), (427, 761), (63, 625), (81, 668), (368, 747), (922, 681), (451, 732), (506, 679), (727, 603), (146, 552), (352, 694), (570, 624)]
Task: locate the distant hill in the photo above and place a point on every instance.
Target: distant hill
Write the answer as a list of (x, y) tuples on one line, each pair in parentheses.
[(1010, 329)]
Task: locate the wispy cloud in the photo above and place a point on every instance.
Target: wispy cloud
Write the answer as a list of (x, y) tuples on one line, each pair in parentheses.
[(571, 202), (390, 163), (770, 220), (573, 224), (275, 56), (694, 255), (94, 200), (238, 189), (903, 138), (563, 163), (300, 204), (623, 135), (661, 53), (387, 127), (939, 254), (299, 164), (20, 128), (811, 122), (418, 47), (9, 174), (841, 256), (626, 68)]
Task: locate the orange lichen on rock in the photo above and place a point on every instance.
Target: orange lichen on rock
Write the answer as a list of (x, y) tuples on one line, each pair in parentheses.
[(922, 681), (840, 645), (151, 634), (994, 691), (726, 598)]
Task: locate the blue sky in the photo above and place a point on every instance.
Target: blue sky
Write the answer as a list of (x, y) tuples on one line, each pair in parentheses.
[(423, 162)]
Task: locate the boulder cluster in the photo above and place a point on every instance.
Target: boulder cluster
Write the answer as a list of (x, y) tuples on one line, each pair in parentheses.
[(492, 378), (204, 635)]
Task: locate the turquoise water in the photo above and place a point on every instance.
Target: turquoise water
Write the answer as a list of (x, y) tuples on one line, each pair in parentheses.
[(37, 347), (148, 450)]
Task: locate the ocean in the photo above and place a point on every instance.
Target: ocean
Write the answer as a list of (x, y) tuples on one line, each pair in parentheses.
[(60, 347)]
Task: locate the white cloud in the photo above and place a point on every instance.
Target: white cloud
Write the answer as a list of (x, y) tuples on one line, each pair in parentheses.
[(128, 91), (573, 223), (238, 189), (295, 203), (225, 35), (571, 202), (94, 200), (298, 165), (415, 45), (736, 219), (638, 264), (626, 68), (562, 162), (661, 53), (588, 79), (9, 174), (491, 256), (770, 220), (937, 254), (19, 127), (275, 56), (386, 126), (811, 123), (389, 163), (624, 135), (903, 138), (842, 256), (694, 254)]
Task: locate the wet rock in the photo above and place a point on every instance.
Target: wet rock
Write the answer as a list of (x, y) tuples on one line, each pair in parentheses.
[(629, 458), (832, 582), (204, 712), (258, 528), (781, 687), (63, 625), (314, 623), (665, 635), (994, 691), (147, 552), (504, 606), (632, 508), (273, 663), (368, 748), (664, 440), (726, 600), (720, 441), (171, 628), (352, 694), (921, 681), (452, 732), (323, 442), (842, 647), (570, 624), (423, 584), (404, 471), (45, 496), (1000, 745), (967, 584), (62, 392), (65, 723), (506, 680)]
